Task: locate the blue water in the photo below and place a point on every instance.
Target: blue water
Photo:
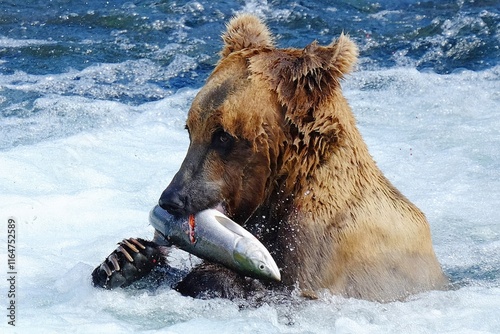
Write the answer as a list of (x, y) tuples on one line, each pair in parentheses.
[(93, 100), (442, 36), (139, 51)]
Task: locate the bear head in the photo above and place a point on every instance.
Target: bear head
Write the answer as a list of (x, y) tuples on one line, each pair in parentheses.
[(263, 122)]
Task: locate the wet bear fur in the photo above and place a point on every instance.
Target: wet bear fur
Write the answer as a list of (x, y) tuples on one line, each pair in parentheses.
[(274, 143)]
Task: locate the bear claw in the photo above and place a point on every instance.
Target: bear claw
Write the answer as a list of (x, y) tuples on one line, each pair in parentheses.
[(124, 252), (129, 262), (136, 242), (106, 268)]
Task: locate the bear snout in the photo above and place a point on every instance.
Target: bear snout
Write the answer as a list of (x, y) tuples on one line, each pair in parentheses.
[(173, 201), (187, 195)]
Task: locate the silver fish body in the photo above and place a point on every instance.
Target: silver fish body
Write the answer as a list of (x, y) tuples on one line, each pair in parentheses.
[(214, 237)]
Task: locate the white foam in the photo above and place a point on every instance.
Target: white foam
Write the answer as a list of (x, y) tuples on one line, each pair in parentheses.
[(71, 102), (101, 81), (262, 9), (435, 136), (6, 42)]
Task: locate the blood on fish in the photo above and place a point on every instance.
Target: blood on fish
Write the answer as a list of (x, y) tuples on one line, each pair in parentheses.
[(192, 237)]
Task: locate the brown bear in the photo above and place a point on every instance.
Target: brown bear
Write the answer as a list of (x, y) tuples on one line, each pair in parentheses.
[(274, 143)]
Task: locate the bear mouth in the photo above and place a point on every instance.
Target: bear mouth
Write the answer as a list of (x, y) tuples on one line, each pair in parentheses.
[(221, 207)]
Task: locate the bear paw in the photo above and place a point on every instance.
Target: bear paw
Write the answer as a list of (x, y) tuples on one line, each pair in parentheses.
[(129, 262), (210, 280)]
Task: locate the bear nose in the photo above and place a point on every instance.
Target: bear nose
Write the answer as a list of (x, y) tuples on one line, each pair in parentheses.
[(172, 201)]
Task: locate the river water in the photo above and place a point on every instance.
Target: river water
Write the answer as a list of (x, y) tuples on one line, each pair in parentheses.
[(93, 99)]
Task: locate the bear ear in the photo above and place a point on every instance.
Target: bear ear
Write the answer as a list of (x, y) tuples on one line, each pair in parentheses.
[(246, 31), (303, 78), (345, 55)]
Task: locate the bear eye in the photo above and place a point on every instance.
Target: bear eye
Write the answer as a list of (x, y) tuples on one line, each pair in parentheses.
[(222, 141), (224, 137)]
